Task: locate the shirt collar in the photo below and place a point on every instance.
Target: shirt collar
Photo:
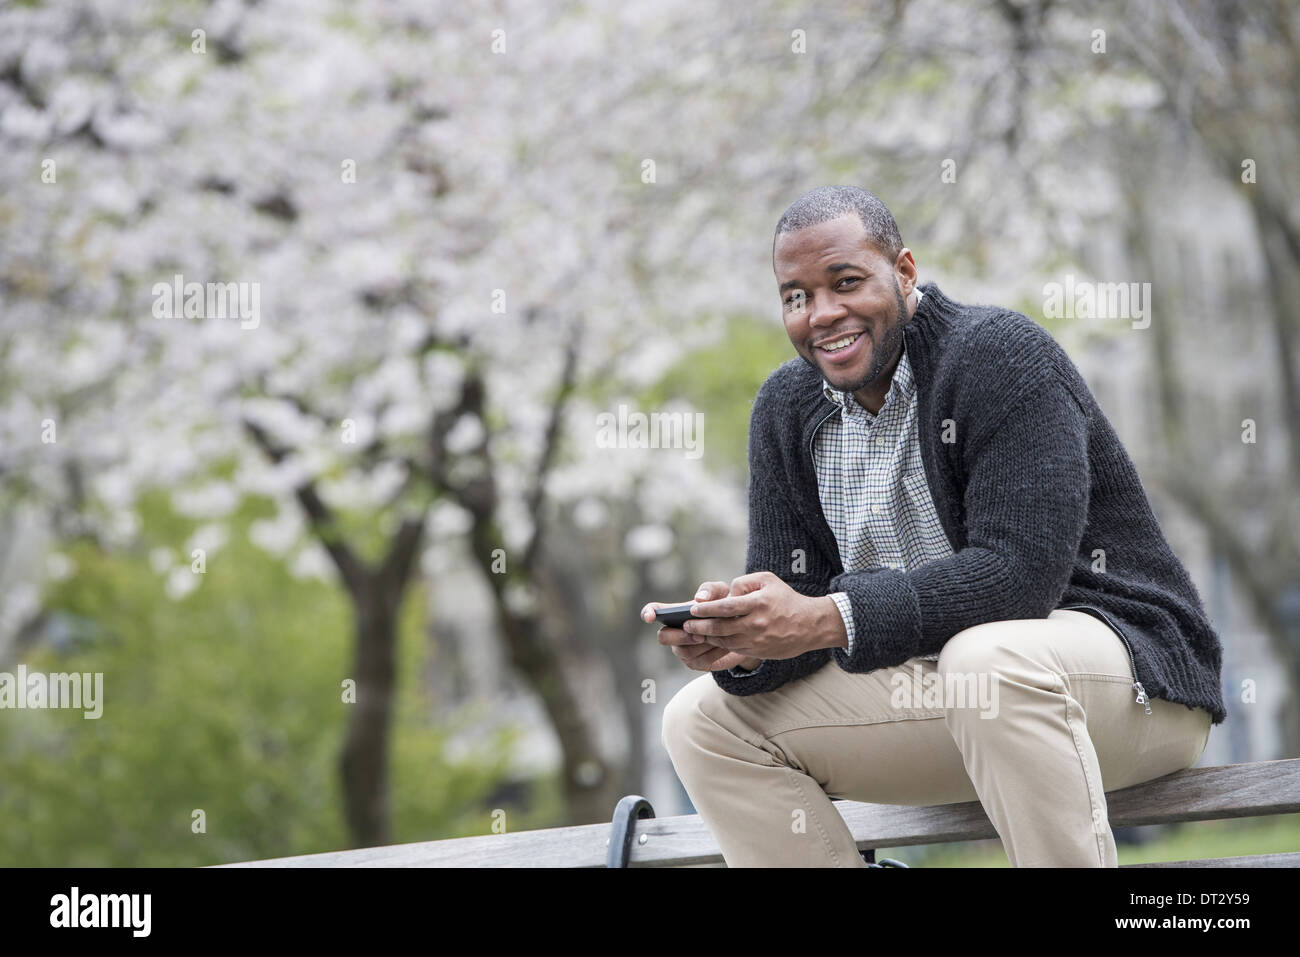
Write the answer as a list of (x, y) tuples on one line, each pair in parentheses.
[(900, 385)]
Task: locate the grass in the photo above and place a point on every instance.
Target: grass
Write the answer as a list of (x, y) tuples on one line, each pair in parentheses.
[(1172, 842)]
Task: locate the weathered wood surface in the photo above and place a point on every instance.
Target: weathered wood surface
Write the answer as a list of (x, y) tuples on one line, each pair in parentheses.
[(1198, 794)]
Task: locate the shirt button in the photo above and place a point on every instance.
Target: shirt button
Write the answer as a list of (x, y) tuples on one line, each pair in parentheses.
[(876, 508), (880, 441)]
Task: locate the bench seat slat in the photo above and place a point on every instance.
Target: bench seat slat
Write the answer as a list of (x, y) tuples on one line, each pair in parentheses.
[(1198, 794)]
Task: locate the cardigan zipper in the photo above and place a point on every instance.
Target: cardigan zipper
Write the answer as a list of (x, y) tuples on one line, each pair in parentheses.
[(1142, 697), (813, 434), (813, 462)]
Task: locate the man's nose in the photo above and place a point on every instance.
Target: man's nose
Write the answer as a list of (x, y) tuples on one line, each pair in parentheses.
[(825, 309)]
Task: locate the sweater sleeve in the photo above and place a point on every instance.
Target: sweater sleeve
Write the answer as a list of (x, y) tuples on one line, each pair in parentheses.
[(775, 537), (1026, 504)]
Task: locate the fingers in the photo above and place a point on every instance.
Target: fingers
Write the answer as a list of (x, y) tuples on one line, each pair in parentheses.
[(710, 603), (735, 660), (698, 654), (680, 638), (648, 610), (686, 645), (706, 591), (743, 596), (726, 607), (714, 629), (676, 636), (711, 590), (707, 658), (751, 582)]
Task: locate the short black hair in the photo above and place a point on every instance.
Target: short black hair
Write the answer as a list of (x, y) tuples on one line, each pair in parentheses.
[(825, 203)]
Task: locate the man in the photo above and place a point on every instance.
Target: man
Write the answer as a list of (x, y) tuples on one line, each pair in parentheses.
[(936, 505)]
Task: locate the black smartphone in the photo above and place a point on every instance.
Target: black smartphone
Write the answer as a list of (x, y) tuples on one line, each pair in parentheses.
[(674, 615)]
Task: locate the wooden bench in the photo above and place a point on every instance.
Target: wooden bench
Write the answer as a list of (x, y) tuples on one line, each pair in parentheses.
[(1198, 794)]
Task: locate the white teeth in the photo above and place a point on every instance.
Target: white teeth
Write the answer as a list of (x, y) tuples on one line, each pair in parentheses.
[(839, 344)]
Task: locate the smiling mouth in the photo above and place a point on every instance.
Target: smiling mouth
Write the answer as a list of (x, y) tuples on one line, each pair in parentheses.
[(842, 349), (840, 344)]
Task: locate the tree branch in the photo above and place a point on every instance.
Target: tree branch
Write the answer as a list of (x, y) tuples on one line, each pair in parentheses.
[(321, 516), (535, 495)]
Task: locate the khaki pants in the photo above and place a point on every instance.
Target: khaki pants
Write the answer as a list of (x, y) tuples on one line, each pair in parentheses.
[(1034, 718)]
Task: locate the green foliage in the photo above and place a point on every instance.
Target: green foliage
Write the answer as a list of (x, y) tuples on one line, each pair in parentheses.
[(228, 700), (721, 381), (1197, 840)]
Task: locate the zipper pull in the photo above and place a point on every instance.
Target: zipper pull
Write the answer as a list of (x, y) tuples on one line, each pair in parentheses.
[(1142, 696)]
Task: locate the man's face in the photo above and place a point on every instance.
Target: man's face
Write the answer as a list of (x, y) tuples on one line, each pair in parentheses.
[(836, 286)]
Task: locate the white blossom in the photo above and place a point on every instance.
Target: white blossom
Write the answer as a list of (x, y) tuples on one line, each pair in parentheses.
[(648, 541), (180, 582)]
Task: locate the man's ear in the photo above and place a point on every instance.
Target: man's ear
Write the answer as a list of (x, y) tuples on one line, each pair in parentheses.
[(905, 269)]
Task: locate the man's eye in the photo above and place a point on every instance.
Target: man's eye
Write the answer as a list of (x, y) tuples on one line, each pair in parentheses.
[(850, 279), (796, 298)]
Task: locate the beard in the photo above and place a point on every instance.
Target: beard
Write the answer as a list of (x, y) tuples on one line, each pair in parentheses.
[(883, 353)]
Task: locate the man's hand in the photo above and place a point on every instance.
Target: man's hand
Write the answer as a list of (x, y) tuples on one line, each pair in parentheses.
[(763, 617), (692, 650)]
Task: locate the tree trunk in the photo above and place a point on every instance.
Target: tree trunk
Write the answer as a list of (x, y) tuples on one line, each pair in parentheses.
[(589, 787), (364, 763), (577, 594)]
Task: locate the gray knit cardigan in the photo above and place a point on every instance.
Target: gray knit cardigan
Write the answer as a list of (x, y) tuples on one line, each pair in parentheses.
[(1039, 499)]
